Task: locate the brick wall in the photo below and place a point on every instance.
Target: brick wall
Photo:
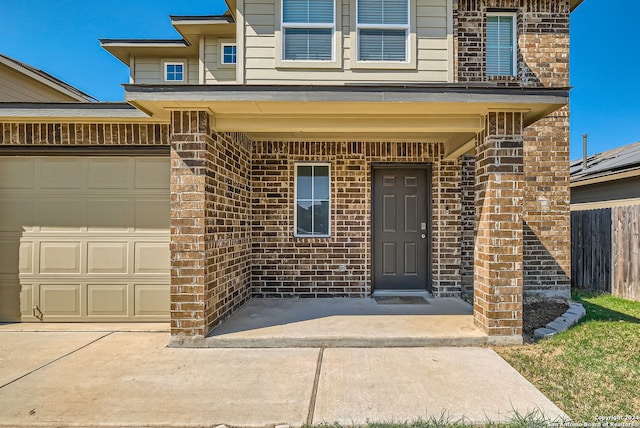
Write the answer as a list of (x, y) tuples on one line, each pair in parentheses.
[(83, 134), (543, 61), (547, 216), (467, 219), (210, 224), (543, 41), (285, 266)]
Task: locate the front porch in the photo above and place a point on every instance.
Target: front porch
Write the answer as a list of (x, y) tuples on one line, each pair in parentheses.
[(486, 218)]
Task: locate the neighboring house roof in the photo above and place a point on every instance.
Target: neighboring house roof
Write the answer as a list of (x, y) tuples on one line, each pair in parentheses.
[(17, 73), (621, 162)]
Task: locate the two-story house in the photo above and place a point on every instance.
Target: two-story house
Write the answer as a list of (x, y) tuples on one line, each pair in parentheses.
[(339, 148)]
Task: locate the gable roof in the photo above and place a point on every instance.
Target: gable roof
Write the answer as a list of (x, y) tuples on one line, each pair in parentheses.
[(46, 79), (613, 164)]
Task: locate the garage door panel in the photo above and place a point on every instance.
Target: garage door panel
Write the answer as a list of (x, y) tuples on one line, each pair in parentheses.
[(107, 257), (107, 300), (61, 214), (15, 214), (152, 257), (152, 173), (60, 257), (60, 299), (9, 298), (151, 299), (109, 215), (16, 173), (9, 254), (109, 173), (152, 214), (61, 173), (26, 256)]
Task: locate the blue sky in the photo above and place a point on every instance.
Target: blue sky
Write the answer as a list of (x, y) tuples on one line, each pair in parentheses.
[(61, 37)]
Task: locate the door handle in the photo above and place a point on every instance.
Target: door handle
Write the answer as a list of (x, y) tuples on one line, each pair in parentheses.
[(424, 235)]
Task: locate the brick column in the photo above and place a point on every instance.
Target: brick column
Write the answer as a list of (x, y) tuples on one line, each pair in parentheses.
[(499, 246), (210, 226), (189, 134)]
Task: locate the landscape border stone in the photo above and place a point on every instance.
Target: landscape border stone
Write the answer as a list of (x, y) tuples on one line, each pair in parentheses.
[(565, 321)]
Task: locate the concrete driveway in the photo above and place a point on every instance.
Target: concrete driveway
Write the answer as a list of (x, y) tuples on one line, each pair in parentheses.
[(131, 378)]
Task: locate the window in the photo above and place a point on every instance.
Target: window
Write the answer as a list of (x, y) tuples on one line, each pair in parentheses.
[(501, 44), (383, 30), (174, 71), (312, 216), (228, 53), (308, 28)]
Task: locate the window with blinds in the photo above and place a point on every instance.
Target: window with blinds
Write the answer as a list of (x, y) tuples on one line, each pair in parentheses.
[(383, 30), (308, 28), (501, 45)]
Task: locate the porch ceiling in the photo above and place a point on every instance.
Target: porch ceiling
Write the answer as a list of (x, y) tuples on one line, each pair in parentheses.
[(452, 114)]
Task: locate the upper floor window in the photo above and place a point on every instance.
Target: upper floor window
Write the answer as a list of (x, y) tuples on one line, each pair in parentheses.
[(312, 209), (228, 53), (174, 71), (308, 28), (383, 30), (501, 44)]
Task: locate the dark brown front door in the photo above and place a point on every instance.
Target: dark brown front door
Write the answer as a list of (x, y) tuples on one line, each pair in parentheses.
[(401, 229)]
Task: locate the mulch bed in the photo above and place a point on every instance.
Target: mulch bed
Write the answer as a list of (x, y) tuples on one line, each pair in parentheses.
[(539, 313)]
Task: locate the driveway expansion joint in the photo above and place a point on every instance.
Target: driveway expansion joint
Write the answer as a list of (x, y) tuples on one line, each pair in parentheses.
[(56, 360)]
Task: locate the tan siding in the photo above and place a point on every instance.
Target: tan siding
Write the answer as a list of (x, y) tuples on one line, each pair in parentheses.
[(148, 70), (192, 71), (214, 73), (15, 87), (433, 55)]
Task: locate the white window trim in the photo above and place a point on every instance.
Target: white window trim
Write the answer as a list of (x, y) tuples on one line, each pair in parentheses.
[(182, 62), (224, 45), (410, 61), (295, 200), (514, 29), (336, 40)]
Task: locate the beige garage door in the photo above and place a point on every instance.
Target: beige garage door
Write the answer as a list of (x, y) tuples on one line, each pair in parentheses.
[(84, 238)]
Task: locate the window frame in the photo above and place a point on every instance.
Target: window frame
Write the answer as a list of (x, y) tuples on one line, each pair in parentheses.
[(410, 62), (296, 234), (336, 39), (514, 46), (228, 44), (165, 74)]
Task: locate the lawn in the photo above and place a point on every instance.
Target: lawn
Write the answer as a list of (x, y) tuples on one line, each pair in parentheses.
[(593, 369)]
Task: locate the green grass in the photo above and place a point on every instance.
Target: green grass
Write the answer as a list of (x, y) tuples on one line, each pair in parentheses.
[(533, 419), (592, 369)]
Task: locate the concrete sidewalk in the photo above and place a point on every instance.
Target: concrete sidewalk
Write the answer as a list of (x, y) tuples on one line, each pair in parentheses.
[(107, 379)]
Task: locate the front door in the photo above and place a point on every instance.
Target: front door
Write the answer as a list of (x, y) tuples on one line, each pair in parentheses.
[(401, 229)]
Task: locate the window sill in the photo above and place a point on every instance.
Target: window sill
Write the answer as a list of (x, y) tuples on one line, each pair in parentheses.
[(295, 235), (382, 65), (280, 64)]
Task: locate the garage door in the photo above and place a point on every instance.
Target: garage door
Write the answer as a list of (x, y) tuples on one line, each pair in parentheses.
[(84, 238)]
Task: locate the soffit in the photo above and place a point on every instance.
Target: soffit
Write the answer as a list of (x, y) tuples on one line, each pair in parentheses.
[(453, 115)]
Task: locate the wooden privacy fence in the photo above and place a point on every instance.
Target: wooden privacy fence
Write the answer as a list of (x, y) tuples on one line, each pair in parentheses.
[(605, 251)]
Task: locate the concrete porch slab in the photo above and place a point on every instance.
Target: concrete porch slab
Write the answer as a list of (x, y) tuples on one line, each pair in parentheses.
[(341, 322)]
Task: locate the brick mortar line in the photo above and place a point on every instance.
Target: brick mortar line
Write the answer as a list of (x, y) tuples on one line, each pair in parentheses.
[(55, 360), (314, 391)]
